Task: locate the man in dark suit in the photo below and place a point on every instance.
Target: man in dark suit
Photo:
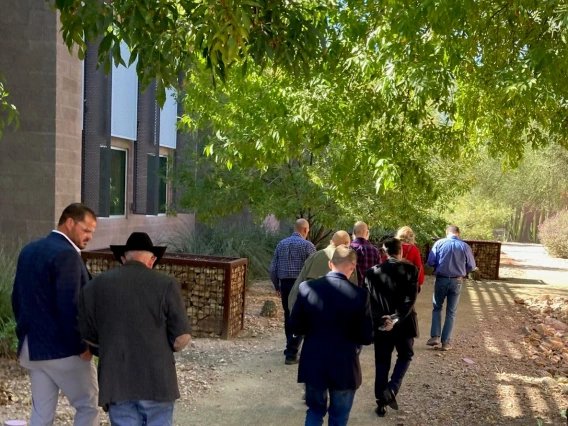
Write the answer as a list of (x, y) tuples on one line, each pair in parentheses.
[(49, 275), (137, 318), (335, 318), (393, 286)]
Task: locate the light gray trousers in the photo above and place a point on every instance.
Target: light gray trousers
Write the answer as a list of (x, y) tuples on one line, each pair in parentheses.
[(76, 378)]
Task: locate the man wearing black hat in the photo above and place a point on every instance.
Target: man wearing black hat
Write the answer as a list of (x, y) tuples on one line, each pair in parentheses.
[(136, 316)]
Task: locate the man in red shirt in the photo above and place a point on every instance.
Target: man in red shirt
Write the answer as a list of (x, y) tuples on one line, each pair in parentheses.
[(367, 254)]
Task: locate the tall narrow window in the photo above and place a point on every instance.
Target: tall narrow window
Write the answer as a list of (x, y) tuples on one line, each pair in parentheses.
[(118, 182), (163, 188)]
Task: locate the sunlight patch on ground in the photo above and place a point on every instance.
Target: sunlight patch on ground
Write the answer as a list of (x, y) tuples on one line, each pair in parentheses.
[(513, 350), (510, 404)]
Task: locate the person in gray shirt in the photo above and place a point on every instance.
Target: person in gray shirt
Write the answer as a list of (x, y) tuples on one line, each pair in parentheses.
[(137, 318)]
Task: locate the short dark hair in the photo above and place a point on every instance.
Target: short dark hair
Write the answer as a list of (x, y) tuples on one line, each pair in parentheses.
[(453, 229), (77, 212), (392, 246)]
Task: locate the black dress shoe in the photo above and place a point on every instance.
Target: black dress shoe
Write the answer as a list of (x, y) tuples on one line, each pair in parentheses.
[(381, 410), (390, 399)]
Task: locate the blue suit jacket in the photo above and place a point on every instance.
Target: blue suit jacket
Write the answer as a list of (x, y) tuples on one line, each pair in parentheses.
[(49, 277), (335, 317)]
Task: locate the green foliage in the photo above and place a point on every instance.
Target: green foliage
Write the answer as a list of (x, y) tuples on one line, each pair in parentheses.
[(553, 234), (478, 216), (167, 38), (377, 107), (8, 262), (8, 339), (436, 76), (540, 182), (518, 199), (9, 115), (232, 239)]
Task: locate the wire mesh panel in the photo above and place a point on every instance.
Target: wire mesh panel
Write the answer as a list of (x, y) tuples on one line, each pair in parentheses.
[(213, 288), (95, 170), (237, 300), (487, 255)]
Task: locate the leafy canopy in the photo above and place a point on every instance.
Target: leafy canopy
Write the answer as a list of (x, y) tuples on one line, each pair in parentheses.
[(168, 36), (377, 97)]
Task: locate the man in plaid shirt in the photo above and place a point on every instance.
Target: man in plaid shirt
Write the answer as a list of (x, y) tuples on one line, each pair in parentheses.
[(289, 258), (367, 254)]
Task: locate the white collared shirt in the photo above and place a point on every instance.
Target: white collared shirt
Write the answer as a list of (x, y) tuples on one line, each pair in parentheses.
[(72, 243)]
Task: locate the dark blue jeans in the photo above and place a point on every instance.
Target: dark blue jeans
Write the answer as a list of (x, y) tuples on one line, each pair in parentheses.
[(450, 289), (293, 342), (141, 413), (340, 405), (385, 343)]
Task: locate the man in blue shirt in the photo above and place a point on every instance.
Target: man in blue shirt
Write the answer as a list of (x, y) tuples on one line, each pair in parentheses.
[(451, 259), (289, 258)]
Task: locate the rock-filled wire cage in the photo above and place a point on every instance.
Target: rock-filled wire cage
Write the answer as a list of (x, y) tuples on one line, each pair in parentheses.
[(213, 288), (487, 255)]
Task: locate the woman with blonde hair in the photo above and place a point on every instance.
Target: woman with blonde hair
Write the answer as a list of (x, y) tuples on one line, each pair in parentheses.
[(409, 250)]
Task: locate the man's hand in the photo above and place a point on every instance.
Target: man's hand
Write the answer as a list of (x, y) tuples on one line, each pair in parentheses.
[(278, 293), (181, 342), (388, 325), (86, 356)]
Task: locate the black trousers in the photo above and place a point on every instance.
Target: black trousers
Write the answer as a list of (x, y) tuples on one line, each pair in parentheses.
[(385, 343), (292, 342)]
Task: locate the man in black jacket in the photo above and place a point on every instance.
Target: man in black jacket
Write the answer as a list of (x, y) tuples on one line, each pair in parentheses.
[(393, 286), (335, 317)]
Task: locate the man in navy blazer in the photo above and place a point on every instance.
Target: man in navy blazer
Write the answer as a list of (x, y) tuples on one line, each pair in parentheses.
[(49, 276), (335, 317)]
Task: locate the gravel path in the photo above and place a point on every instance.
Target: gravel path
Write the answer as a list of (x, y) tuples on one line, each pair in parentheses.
[(244, 382), (502, 386)]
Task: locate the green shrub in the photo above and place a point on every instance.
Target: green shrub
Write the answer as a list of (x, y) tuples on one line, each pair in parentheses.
[(8, 262), (553, 234), (8, 339), (477, 216), (231, 240)]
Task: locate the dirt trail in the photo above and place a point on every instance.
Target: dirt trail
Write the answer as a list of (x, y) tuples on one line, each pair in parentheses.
[(244, 382), (501, 387)]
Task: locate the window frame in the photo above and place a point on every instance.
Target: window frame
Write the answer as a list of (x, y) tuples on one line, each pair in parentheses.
[(167, 157), (125, 150)]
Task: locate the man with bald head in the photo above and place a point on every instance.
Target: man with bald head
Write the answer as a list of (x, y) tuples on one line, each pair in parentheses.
[(289, 258), (367, 254), (317, 265)]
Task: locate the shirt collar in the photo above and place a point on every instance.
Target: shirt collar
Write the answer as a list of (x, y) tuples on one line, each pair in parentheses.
[(67, 238), (337, 274), (297, 234)]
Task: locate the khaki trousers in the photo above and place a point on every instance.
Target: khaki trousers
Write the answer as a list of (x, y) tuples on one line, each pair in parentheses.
[(76, 378)]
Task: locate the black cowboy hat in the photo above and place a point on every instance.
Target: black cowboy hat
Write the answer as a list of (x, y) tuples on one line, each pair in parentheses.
[(139, 241)]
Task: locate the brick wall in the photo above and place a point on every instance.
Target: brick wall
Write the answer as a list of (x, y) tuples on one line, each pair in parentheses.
[(28, 35), (68, 126)]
